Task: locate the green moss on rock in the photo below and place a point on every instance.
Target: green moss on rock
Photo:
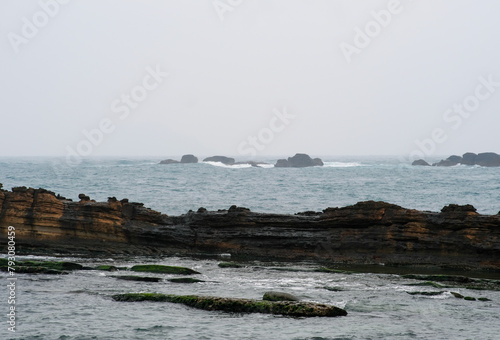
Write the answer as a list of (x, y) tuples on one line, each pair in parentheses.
[(469, 298), (155, 268), (305, 309)]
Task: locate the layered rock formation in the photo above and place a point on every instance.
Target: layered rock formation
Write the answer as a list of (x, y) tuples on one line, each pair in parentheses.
[(364, 233), (300, 160)]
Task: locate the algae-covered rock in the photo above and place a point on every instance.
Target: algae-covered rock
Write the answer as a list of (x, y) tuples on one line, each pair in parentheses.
[(155, 268), (483, 299), (457, 295), (425, 293), (279, 296), (138, 278), (184, 280), (469, 298), (40, 267), (291, 308), (427, 283), (229, 265)]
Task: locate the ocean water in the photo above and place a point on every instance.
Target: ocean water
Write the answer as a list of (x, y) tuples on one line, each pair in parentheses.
[(79, 305)]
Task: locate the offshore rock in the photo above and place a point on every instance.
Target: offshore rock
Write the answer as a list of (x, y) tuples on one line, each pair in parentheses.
[(300, 160), (420, 162), (365, 233), (487, 159), (169, 161), (189, 159), (221, 159)]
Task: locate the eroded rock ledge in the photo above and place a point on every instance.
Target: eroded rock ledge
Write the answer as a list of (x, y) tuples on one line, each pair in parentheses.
[(364, 233)]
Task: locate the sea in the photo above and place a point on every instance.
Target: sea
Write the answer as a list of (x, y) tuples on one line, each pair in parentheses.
[(379, 304)]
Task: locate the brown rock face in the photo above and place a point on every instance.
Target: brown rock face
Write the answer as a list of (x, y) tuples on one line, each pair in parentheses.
[(364, 233)]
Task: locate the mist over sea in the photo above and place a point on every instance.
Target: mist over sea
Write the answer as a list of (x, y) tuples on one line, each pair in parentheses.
[(380, 306)]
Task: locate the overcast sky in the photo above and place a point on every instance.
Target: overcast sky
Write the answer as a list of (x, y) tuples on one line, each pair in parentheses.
[(249, 78)]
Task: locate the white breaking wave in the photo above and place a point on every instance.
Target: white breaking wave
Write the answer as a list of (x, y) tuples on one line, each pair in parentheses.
[(341, 164), (235, 166)]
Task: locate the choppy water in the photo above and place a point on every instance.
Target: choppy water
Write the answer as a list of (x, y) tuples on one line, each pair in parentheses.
[(174, 189), (78, 305)]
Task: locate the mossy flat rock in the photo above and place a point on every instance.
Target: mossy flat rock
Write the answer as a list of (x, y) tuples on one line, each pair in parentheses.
[(279, 296), (457, 281), (185, 280), (156, 268), (41, 267), (138, 278), (425, 293), (296, 309), (229, 265)]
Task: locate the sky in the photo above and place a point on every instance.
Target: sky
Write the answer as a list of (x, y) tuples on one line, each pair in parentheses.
[(249, 78)]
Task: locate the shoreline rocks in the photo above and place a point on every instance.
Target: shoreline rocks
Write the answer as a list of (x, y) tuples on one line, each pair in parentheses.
[(366, 233)]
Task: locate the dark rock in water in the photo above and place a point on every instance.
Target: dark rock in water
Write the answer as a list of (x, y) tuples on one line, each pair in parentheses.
[(169, 161), (282, 163), (189, 159), (185, 280), (300, 160), (457, 295), (156, 268), (488, 159), (138, 278), (232, 305), (469, 158), (229, 265), (483, 299), (221, 159), (425, 293), (450, 161), (318, 162), (469, 298), (420, 162), (279, 296), (201, 210)]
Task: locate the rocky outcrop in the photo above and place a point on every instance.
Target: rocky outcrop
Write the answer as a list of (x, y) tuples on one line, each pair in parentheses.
[(364, 233), (488, 159), (420, 162), (300, 160), (234, 305), (189, 159), (221, 159), (186, 159), (169, 161)]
